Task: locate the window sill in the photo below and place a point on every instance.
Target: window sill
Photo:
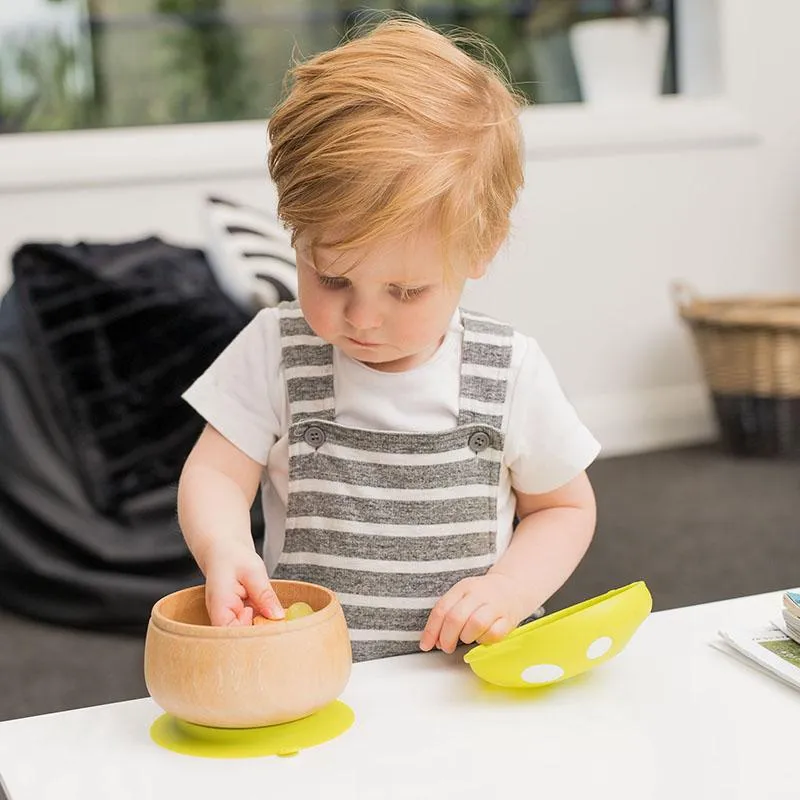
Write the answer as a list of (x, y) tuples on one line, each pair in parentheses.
[(153, 154), (169, 153), (667, 125)]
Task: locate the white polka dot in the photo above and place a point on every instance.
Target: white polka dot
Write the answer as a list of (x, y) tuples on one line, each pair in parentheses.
[(542, 673), (599, 647)]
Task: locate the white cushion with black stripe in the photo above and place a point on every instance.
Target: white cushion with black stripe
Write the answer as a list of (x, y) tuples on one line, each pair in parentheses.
[(250, 254)]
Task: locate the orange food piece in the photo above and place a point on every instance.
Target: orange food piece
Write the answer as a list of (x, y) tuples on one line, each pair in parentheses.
[(295, 611)]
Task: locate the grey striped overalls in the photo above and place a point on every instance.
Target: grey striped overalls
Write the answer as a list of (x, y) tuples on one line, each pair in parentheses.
[(391, 520)]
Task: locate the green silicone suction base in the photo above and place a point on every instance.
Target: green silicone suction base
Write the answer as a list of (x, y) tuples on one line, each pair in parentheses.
[(275, 740)]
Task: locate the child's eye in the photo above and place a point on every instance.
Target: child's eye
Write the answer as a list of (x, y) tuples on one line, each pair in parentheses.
[(405, 293), (332, 283)]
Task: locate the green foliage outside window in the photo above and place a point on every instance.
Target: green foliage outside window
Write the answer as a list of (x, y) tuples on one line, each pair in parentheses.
[(149, 62)]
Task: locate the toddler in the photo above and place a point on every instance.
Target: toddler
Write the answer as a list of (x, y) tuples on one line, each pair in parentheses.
[(419, 459)]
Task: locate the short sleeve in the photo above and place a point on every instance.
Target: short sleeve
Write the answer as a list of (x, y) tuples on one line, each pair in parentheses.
[(547, 445), (242, 393)]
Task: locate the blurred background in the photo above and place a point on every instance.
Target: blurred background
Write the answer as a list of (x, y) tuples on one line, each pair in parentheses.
[(71, 64), (662, 173)]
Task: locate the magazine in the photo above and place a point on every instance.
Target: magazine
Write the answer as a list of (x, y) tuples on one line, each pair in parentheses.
[(791, 615), (773, 648)]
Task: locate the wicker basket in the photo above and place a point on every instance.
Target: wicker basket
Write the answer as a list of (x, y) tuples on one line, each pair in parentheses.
[(750, 351)]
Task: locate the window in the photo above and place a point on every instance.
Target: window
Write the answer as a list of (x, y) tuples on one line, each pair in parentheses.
[(71, 64)]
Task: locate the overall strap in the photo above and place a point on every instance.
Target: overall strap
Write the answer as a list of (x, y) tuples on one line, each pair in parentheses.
[(485, 365), (308, 367)]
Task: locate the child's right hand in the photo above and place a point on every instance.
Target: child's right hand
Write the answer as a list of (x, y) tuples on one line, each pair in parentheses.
[(237, 586)]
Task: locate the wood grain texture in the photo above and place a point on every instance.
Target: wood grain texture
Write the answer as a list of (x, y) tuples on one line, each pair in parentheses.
[(249, 676)]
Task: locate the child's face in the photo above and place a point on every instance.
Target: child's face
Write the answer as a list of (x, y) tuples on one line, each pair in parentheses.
[(387, 305)]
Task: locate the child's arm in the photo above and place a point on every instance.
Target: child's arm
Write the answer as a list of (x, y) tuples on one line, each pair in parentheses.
[(216, 490), (552, 536)]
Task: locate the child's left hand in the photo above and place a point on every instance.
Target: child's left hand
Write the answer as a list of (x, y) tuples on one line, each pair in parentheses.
[(482, 609)]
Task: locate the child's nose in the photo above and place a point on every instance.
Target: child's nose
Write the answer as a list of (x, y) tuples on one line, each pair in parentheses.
[(362, 314)]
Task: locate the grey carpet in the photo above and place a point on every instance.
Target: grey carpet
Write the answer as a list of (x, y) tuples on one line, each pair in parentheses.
[(696, 525)]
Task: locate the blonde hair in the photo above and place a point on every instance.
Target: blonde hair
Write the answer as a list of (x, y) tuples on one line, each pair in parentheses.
[(394, 129)]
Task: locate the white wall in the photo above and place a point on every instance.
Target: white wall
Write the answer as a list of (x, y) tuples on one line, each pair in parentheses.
[(599, 234)]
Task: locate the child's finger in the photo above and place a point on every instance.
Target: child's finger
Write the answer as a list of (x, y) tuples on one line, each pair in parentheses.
[(239, 619), (261, 594), (499, 630), (479, 623), (456, 619), (222, 607), (222, 616), (438, 614)]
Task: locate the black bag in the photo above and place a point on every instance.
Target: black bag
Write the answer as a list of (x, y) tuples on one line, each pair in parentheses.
[(97, 343), (119, 332)]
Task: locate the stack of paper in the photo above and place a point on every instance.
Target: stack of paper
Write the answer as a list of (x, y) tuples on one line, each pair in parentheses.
[(791, 614), (773, 648)]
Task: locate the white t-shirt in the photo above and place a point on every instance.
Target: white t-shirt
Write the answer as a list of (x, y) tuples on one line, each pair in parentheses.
[(243, 395)]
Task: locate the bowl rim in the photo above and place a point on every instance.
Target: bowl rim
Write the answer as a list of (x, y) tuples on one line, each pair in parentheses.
[(483, 651), (187, 629)]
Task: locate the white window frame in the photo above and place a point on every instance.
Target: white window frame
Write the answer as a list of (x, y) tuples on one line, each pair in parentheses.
[(701, 116)]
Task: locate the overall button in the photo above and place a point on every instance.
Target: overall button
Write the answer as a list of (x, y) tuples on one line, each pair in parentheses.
[(314, 436), (478, 441)]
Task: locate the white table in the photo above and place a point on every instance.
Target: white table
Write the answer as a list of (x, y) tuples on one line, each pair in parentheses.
[(670, 717)]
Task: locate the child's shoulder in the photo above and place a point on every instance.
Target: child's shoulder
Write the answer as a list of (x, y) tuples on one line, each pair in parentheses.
[(525, 348), (271, 321), (260, 340), (266, 323), (480, 323), (279, 330), (288, 320)]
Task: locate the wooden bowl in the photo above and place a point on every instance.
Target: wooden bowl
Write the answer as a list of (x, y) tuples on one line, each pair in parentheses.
[(247, 676)]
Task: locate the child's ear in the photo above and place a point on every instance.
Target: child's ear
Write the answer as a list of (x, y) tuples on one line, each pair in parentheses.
[(477, 270)]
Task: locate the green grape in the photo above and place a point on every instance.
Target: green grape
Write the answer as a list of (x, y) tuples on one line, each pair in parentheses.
[(297, 610)]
